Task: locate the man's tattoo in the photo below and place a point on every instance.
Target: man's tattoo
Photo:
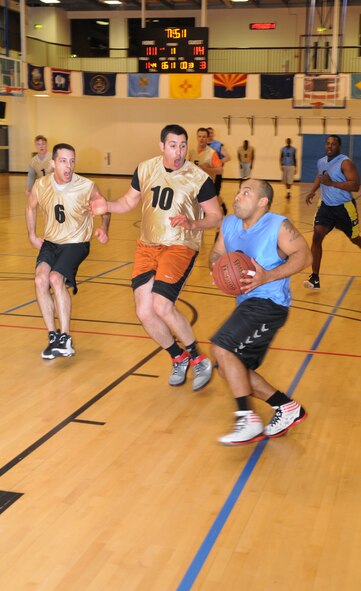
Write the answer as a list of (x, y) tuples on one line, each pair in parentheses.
[(294, 234)]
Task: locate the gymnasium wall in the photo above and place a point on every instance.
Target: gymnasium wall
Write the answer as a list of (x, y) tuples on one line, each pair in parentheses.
[(111, 134)]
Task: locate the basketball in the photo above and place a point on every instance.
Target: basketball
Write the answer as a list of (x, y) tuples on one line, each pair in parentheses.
[(227, 271)]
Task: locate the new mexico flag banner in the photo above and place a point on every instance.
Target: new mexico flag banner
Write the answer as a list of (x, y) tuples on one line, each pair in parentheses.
[(185, 86)]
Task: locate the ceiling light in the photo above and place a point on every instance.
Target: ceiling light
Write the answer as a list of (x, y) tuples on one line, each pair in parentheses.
[(239, 0), (50, 1), (112, 2), (105, 23)]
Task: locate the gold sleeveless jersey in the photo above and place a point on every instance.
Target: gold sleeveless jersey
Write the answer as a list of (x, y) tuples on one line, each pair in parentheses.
[(42, 167), (66, 215), (166, 194), (207, 156)]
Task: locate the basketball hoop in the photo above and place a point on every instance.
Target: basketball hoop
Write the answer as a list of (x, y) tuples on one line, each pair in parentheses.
[(317, 104), (12, 90)]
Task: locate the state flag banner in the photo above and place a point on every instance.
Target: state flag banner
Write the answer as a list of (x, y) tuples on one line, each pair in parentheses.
[(185, 86), (60, 81), (36, 78), (276, 86), (229, 85), (99, 83), (143, 85), (356, 86)]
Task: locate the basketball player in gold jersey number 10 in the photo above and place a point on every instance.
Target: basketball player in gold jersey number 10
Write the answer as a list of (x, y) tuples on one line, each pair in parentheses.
[(178, 202)]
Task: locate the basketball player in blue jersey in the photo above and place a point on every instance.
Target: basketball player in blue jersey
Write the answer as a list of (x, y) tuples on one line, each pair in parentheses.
[(224, 157), (337, 176), (288, 164), (278, 251), (178, 202)]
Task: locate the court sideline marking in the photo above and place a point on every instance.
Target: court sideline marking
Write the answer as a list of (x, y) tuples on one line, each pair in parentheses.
[(218, 524)]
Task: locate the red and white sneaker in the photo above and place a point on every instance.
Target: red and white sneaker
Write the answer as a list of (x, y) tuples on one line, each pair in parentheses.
[(180, 368), (286, 416), (247, 429), (202, 368)]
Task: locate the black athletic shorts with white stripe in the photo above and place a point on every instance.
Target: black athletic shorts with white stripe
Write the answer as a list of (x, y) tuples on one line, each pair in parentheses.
[(249, 330)]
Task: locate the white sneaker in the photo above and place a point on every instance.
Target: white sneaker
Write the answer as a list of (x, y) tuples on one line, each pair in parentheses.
[(286, 416), (202, 368), (248, 428), (180, 368)]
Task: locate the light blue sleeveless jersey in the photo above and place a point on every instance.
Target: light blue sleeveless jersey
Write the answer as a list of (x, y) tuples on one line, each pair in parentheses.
[(259, 242), (332, 195)]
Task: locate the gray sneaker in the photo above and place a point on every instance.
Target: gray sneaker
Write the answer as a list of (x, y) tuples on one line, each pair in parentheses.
[(180, 368), (202, 368)]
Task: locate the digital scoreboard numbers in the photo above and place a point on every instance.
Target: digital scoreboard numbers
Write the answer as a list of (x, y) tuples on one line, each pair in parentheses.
[(173, 50)]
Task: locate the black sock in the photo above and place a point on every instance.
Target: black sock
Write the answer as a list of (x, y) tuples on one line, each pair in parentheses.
[(242, 402), (193, 350), (277, 399), (174, 350)]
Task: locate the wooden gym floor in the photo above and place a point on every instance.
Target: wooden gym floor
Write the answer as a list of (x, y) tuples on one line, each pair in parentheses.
[(111, 480)]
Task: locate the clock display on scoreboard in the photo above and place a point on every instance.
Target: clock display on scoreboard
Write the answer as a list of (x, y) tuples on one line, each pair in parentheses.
[(173, 50)]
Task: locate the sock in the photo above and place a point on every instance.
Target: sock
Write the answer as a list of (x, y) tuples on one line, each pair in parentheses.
[(242, 402), (277, 399), (174, 350), (193, 350)]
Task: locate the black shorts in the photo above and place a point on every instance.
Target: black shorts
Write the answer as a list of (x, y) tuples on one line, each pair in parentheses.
[(344, 217), (249, 330), (64, 259)]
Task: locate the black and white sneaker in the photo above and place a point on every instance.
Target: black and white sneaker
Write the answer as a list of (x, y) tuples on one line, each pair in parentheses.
[(48, 353), (63, 347), (313, 282)]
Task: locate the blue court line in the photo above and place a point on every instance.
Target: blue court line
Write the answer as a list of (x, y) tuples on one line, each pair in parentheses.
[(211, 537), (79, 283)]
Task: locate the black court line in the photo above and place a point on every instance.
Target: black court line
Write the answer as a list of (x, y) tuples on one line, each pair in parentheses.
[(71, 418), (24, 454), (88, 422), (7, 498), (145, 375)]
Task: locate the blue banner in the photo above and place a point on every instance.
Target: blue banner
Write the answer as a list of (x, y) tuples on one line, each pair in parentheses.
[(143, 85), (356, 86), (99, 84), (60, 81), (276, 86), (36, 77)]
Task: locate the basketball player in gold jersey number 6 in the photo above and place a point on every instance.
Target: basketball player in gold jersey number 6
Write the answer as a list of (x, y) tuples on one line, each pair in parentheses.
[(63, 197), (179, 202)]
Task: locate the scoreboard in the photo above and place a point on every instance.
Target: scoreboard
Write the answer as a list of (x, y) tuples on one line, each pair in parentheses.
[(173, 50)]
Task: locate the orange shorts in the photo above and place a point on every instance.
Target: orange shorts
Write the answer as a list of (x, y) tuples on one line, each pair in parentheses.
[(169, 265)]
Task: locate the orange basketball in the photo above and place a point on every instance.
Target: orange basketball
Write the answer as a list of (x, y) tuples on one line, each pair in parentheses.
[(227, 271)]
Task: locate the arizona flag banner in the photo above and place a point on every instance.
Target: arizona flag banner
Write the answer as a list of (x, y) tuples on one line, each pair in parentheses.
[(276, 86), (229, 85), (143, 85), (356, 86), (60, 81), (185, 86), (36, 77), (99, 83)]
